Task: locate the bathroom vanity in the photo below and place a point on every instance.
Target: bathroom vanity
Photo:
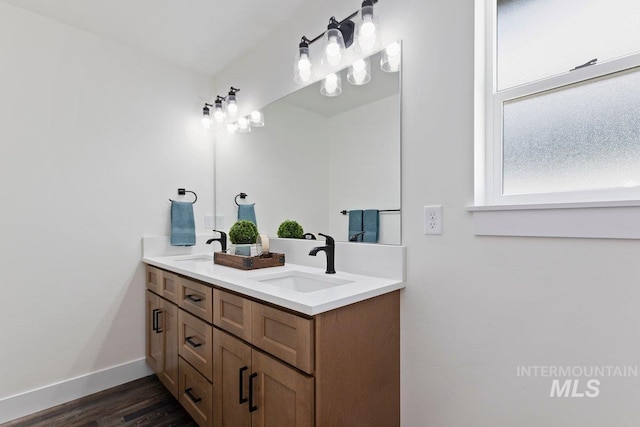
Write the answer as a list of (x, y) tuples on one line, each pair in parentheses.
[(279, 347)]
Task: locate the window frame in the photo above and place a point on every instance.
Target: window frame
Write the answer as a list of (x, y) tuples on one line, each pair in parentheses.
[(615, 214), (494, 100)]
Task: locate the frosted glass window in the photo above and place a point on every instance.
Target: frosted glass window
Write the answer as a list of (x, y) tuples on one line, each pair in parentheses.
[(542, 38), (581, 137)]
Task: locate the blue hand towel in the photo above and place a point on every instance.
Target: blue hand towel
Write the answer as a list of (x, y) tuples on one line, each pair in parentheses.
[(183, 226), (370, 222), (355, 224), (247, 213)]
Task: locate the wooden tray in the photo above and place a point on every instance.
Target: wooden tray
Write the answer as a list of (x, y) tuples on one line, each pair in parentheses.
[(249, 262)]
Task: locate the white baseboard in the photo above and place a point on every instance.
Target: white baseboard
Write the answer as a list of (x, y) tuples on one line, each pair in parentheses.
[(32, 401)]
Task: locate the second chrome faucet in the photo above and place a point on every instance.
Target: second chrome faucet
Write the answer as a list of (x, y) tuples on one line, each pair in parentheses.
[(330, 251)]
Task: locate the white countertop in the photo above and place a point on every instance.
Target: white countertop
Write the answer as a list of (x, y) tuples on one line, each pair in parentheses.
[(201, 267)]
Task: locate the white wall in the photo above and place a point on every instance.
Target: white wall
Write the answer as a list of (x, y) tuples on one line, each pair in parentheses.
[(475, 308), (95, 137)]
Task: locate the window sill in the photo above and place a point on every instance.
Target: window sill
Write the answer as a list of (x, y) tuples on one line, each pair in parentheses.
[(600, 220)]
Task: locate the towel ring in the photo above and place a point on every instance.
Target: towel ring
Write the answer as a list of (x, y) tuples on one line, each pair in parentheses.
[(182, 192), (242, 196)]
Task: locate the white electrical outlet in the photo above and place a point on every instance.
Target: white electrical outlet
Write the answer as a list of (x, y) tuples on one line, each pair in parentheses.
[(208, 222), (219, 222), (433, 219)]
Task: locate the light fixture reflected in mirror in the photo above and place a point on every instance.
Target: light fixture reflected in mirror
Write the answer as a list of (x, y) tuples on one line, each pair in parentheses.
[(391, 58), (367, 29), (331, 85), (256, 119), (232, 128), (359, 73), (243, 125)]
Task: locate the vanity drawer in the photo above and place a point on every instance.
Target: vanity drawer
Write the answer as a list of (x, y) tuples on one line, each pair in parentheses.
[(196, 298), (232, 313), (195, 339), (169, 286), (195, 394), (284, 335), (154, 279)]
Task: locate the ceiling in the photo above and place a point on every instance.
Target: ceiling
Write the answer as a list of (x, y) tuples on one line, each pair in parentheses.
[(201, 35)]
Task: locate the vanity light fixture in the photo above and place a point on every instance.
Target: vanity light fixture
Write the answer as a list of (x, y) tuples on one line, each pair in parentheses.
[(391, 57), (359, 73), (331, 85), (206, 117), (335, 41), (367, 28)]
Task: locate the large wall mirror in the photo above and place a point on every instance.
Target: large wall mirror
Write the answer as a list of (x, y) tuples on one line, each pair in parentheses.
[(317, 156)]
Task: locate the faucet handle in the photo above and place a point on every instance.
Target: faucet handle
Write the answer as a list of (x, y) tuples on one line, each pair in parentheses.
[(330, 241), (223, 235)]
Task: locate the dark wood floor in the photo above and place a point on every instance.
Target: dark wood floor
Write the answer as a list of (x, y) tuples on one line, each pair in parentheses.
[(144, 402)]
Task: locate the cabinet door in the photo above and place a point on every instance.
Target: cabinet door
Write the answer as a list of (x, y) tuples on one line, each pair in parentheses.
[(283, 397), (232, 362), (154, 350), (169, 321), (169, 286)]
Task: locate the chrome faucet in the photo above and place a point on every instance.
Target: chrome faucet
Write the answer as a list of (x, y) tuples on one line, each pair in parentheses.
[(330, 251), (222, 239)]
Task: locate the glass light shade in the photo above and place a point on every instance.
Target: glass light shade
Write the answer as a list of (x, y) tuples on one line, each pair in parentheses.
[(218, 113), (206, 118), (256, 119), (331, 85), (367, 32), (391, 58), (359, 73), (303, 69), (333, 49), (232, 108), (243, 125)]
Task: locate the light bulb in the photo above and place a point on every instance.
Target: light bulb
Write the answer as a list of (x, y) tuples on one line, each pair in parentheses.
[(331, 85), (334, 56), (243, 125), (232, 128), (206, 123), (359, 72), (218, 112), (391, 57), (218, 116), (367, 29), (232, 108), (304, 69), (256, 119)]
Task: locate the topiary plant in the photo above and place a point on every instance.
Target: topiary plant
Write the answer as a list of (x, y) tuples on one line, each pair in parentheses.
[(290, 230), (243, 232)]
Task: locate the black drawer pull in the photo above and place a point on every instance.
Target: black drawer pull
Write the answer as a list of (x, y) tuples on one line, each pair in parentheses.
[(252, 407), (193, 398), (191, 342), (240, 379), (193, 298), (154, 320)]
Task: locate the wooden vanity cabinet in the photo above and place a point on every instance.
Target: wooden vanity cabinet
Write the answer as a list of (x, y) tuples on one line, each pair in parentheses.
[(246, 363)]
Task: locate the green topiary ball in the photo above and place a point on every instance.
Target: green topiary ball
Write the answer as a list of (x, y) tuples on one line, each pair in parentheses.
[(243, 232), (290, 230)]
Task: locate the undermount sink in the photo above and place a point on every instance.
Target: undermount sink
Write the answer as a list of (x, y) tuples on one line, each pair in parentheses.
[(301, 282)]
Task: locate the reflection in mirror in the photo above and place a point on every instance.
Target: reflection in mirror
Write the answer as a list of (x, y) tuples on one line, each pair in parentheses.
[(317, 156)]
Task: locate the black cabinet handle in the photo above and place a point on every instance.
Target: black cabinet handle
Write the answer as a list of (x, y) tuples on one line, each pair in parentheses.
[(191, 342), (154, 320), (193, 298), (240, 380), (193, 398), (252, 407), (158, 330)]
